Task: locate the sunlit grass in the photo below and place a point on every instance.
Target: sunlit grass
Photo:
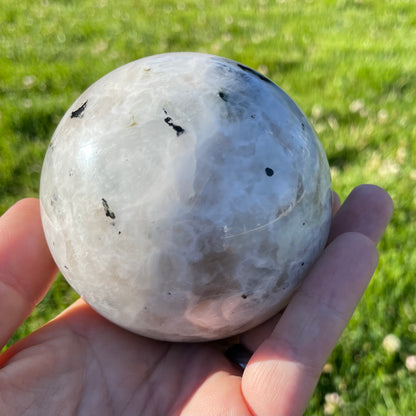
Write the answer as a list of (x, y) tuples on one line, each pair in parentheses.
[(350, 65)]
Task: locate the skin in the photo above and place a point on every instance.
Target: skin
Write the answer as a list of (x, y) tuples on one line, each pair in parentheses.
[(81, 364)]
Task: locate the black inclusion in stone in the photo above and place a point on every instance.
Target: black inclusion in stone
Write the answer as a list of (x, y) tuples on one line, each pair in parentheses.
[(168, 120), (179, 130), (223, 96), (79, 112), (255, 73), (269, 171), (107, 210)]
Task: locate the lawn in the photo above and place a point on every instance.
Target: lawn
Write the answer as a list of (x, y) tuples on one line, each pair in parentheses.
[(350, 65)]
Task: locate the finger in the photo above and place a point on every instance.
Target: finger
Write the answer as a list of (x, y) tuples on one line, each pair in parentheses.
[(367, 210), (254, 337), (336, 203), (26, 266), (282, 374)]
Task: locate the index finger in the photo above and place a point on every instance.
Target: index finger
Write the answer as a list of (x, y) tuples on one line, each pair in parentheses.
[(367, 210)]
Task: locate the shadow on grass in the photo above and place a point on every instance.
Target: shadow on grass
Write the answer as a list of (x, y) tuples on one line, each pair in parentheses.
[(35, 123), (287, 66), (342, 158)]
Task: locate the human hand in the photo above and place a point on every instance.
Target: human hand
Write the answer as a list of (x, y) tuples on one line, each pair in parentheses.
[(81, 364)]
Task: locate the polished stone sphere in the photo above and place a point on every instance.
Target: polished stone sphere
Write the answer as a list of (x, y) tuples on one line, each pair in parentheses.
[(184, 196)]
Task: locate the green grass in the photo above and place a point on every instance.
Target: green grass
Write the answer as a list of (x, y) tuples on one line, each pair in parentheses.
[(350, 65)]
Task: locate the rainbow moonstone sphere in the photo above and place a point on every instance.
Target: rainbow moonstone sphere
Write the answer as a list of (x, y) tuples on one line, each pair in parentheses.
[(184, 196)]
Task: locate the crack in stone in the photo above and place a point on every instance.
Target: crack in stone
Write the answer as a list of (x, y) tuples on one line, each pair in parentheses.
[(282, 214)]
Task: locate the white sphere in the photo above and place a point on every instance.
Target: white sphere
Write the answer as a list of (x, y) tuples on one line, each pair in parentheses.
[(184, 196)]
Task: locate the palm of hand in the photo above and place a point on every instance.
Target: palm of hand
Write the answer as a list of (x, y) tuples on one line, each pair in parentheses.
[(82, 364), (79, 363)]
